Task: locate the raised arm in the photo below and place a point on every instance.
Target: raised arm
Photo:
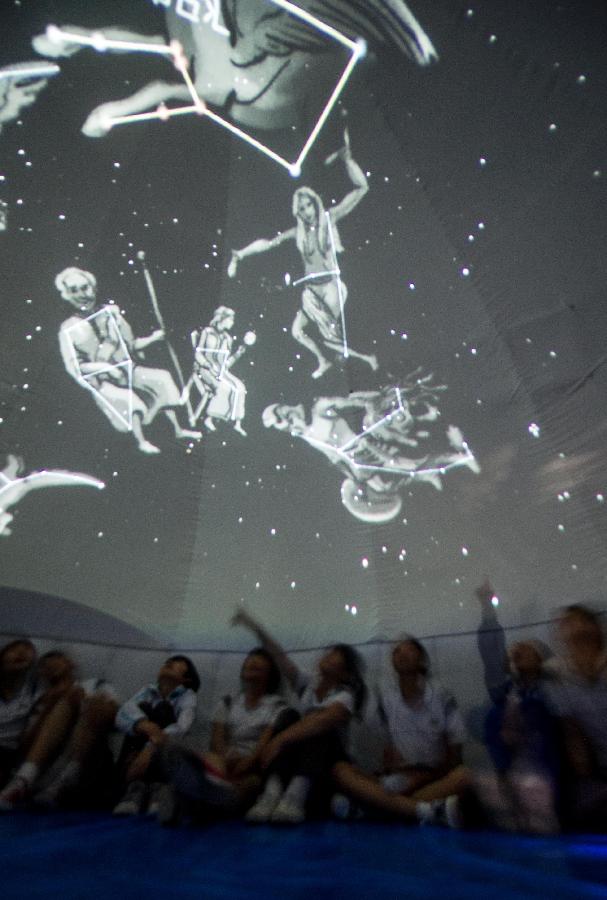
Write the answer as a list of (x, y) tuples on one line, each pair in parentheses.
[(317, 722), (185, 716), (491, 642), (357, 177), (284, 663), (259, 246)]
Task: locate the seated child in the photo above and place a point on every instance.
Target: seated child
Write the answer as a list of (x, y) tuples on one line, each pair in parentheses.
[(302, 755), (423, 772), (63, 747), (228, 777), (154, 714), (18, 694)]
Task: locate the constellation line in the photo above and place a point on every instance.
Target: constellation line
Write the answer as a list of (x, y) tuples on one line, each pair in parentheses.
[(99, 42)]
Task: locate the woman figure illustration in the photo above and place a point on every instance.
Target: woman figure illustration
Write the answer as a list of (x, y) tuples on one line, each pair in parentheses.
[(324, 294), (213, 359)]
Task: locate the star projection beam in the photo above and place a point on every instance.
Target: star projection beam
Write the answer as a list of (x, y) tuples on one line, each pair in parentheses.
[(174, 51)]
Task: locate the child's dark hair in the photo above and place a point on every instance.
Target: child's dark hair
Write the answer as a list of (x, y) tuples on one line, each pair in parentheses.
[(192, 678), (18, 642), (54, 654), (583, 612), (274, 676), (355, 668), (424, 659)]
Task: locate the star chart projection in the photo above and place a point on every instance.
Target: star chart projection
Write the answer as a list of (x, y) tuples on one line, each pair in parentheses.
[(318, 242), (20, 84), (377, 459), (260, 63), (99, 351), (220, 394), (14, 486)]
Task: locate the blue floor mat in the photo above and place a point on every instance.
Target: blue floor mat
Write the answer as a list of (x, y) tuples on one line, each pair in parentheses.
[(73, 856)]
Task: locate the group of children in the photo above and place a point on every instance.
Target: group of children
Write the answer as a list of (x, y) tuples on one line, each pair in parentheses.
[(279, 748)]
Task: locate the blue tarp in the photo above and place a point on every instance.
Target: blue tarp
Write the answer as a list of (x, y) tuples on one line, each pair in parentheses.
[(82, 855)]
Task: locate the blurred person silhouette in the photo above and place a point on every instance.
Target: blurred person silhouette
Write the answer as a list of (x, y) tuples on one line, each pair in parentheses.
[(18, 694), (298, 761), (580, 701), (64, 748), (158, 712), (521, 729)]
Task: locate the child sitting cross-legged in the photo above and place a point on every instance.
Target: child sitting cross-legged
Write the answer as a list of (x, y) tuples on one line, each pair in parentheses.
[(302, 756), (226, 779), (63, 749), (158, 712)]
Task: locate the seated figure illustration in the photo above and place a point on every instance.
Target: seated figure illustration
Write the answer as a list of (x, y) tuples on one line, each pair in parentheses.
[(100, 352), (220, 394)]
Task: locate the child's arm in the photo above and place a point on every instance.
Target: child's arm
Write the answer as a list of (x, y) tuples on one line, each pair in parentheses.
[(314, 723), (130, 718), (186, 713), (284, 663)]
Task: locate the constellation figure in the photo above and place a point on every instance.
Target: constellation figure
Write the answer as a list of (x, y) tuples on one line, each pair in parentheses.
[(317, 238), (20, 84), (372, 457), (97, 346), (221, 394), (273, 55), (14, 486)]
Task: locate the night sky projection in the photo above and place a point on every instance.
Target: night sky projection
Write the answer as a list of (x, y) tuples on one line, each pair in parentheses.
[(448, 228)]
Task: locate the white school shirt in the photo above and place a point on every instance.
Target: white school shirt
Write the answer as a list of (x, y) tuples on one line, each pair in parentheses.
[(182, 699), (245, 725), (422, 733)]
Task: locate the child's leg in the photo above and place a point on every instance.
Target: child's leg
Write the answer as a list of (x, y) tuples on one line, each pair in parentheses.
[(51, 735), (454, 782), (91, 729), (139, 765)]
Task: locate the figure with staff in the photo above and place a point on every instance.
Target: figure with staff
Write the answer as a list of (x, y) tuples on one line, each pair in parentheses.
[(100, 352)]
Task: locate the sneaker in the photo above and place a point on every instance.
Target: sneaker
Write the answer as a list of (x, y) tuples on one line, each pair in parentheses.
[(167, 805), (50, 796), (341, 806), (444, 812), (155, 793), (133, 800), (288, 811), (345, 809), (262, 811), (14, 794)]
